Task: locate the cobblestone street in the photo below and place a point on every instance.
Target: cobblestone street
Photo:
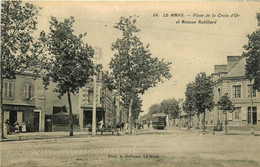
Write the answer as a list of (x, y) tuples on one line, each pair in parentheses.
[(171, 147)]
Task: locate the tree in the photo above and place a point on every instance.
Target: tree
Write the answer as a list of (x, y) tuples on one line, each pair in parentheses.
[(170, 107), (226, 105), (109, 80), (138, 71), (189, 103), (153, 109), (252, 55), (70, 65), (137, 105), (19, 49), (203, 94)]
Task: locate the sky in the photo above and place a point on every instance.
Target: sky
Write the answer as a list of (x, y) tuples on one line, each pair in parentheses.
[(192, 48)]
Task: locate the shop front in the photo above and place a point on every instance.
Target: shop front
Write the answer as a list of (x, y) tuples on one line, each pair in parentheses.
[(19, 115)]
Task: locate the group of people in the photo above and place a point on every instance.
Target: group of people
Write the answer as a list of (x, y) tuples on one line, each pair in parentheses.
[(16, 127), (121, 127)]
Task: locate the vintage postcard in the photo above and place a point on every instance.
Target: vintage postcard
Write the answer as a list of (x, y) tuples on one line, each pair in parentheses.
[(128, 83)]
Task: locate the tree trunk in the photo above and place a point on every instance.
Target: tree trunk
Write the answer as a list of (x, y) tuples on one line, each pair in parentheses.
[(204, 121), (71, 118), (130, 115), (225, 122), (190, 122)]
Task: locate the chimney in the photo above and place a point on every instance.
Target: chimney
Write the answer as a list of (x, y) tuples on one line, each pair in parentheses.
[(232, 61), (220, 68)]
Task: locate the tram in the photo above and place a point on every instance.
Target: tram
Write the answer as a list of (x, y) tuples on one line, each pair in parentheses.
[(159, 121)]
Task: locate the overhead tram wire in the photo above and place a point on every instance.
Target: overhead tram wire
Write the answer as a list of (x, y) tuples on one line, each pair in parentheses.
[(156, 28)]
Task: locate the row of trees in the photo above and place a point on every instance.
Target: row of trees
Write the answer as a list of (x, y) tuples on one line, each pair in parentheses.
[(168, 106), (63, 58), (199, 98)]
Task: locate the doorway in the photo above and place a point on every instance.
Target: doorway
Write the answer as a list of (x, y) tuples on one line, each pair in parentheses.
[(36, 121)]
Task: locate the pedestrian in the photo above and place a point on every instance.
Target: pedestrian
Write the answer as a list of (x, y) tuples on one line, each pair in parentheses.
[(117, 128), (16, 127), (28, 127), (122, 125), (7, 123)]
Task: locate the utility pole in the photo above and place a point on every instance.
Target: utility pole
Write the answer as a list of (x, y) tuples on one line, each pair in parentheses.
[(97, 55)]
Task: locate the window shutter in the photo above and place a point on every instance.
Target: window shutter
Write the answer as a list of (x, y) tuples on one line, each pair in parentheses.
[(26, 91), (30, 92), (5, 89), (10, 89)]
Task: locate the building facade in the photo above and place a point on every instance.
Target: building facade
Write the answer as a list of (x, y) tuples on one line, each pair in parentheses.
[(20, 102), (26, 101), (230, 79)]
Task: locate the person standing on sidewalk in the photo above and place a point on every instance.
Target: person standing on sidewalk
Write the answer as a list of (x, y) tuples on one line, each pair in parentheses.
[(118, 128)]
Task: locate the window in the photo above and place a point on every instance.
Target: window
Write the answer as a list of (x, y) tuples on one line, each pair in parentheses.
[(237, 91), (219, 95), (28, 91), (237, 111), (254, 115), (249, 91), (90, 97), (8, 89)]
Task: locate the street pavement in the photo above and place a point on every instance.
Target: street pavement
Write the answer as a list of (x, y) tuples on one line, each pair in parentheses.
[(171, 147)]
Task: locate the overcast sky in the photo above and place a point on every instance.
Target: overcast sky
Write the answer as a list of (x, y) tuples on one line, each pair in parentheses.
[(192, 48)]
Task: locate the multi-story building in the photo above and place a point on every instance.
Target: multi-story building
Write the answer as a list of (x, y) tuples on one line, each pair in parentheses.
[(21, 99), (26, 101), (231, 79), (105, 104)]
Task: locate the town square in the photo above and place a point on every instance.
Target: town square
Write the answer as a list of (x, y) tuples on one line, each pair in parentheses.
[(127, 83)]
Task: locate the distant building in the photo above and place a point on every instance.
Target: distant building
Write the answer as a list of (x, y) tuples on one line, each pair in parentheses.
[(106, 104)]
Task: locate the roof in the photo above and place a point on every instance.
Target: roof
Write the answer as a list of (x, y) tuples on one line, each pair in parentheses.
[(238, 70)]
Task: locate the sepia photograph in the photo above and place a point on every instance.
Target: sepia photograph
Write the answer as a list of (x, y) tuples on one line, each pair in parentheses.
[(129, 83)]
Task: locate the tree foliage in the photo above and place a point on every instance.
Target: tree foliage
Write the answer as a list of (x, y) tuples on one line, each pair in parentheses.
[(252, 55), (203, 94), (189, 103), (70, 65), (133, 64), (170, 107), (137, 105), (225, 103), (19, 49)]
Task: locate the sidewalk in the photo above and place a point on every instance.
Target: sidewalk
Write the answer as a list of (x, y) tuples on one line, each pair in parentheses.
[(229, 132), (43, 135)]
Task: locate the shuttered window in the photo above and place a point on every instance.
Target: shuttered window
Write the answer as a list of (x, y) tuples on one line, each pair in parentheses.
[(8, 90), (28, 91)]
